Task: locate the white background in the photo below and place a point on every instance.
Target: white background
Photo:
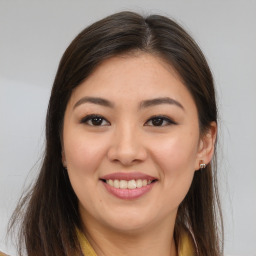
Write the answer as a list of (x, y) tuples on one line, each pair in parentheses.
[(34, 35)]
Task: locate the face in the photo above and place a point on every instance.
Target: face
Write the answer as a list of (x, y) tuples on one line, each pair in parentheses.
[(131, 143)]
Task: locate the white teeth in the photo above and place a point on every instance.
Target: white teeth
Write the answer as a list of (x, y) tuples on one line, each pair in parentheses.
[(110, 182), (116, 183), (144, 183), (123, 184), (139, 183), (130, 184)]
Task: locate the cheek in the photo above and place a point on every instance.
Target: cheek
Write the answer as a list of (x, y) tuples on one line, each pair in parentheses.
[(176, 155), (176, 158), (83, 153)]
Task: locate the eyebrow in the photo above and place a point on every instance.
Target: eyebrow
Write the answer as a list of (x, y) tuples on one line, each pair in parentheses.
[(143, 104), (159, 101), (94, 100)]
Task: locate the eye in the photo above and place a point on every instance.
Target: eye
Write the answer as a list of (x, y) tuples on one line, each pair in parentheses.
[(95, 120), (159, 121)]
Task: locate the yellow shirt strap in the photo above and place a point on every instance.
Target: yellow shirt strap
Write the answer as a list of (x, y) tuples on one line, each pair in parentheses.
[(185, 247), (85, 245), (2, 254)]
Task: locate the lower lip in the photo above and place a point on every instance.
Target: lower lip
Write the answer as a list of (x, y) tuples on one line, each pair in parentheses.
[(129, 194)]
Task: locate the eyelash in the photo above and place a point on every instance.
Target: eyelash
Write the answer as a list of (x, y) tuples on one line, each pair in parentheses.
[(163, 119), (89, 118)]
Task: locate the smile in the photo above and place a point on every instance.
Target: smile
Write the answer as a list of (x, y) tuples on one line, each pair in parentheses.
[(128, 185)]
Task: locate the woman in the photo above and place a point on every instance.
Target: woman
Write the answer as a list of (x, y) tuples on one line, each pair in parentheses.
[(130, 135)]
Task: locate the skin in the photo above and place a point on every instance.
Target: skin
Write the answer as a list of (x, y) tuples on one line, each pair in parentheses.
[(128, 141)]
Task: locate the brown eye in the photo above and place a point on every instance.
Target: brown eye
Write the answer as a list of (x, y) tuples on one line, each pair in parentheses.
[(159, 121), (95, 120)]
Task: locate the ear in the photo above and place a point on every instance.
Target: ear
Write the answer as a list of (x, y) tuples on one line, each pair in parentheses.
[(206, 146)]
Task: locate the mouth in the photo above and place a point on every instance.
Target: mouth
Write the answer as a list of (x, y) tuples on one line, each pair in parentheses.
[(128, 185)]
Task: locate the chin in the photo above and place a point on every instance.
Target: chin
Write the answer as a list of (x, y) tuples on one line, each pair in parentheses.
[(128, 228), (130, 222)]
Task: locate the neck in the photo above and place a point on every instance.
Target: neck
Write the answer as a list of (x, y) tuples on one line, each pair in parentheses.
[(154, 240)]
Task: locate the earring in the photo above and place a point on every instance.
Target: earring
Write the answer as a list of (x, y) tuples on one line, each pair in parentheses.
[(202, 165)]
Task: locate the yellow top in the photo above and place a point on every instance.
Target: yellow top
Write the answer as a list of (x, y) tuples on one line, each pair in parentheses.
[(2, 254), (185, 247)]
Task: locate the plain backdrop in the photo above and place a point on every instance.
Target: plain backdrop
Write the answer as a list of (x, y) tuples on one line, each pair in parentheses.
[(34, 35)]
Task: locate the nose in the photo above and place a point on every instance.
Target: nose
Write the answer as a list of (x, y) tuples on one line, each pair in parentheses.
[(127, 146)]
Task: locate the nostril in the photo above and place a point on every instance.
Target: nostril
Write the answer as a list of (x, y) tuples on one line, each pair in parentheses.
[(127, 153)]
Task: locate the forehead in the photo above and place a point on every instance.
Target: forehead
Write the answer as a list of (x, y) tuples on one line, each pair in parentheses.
[(133, 77)]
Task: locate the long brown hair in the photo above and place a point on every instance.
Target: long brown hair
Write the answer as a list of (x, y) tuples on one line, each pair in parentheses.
[(49, 211)]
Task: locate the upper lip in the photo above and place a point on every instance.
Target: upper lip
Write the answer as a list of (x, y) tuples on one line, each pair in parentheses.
[(128, 176)]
